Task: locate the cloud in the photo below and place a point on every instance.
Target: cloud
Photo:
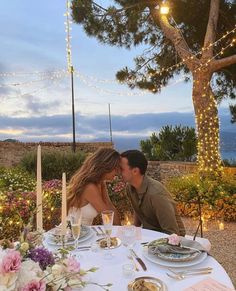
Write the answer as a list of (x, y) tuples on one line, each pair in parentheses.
[(35, 106), (92, 127)]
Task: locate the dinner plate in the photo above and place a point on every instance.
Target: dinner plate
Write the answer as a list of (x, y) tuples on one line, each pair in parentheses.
[(56, 232), (51, 241), (155, 282), (171, 257), (173, 264)]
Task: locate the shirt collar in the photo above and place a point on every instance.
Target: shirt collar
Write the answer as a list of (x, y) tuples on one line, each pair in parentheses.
[(143, 188)]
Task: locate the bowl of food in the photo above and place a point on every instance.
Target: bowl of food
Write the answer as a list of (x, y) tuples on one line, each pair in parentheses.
[(115, 243), (147, 283)]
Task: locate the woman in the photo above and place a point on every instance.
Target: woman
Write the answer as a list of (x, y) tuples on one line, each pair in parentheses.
[(87, 188)]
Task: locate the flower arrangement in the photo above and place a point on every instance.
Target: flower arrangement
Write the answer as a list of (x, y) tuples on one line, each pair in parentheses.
[(27, 266)]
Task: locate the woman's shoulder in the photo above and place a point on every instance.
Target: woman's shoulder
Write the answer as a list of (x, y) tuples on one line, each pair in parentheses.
[(91, 187)]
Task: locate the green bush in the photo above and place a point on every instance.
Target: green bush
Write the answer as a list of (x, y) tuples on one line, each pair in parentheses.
[(54, 163), (218, 197), (177, 143)]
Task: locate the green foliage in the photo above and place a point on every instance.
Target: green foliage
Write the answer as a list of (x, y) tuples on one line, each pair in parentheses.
[(135, 22), (217, 196), (233, 113), (172, 143), (229, 162), (16, 179), (54, 163)]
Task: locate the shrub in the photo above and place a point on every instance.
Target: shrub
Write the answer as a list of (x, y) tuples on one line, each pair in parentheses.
[(54, 164), (218, 197)]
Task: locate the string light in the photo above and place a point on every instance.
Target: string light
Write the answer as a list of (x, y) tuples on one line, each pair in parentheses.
[(207, 62), (124, 93), (22, 74), (161, 71), (68, 37), (28, 83), (53, 82)]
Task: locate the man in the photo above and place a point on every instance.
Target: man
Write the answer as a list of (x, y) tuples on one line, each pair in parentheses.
[(153, 205)]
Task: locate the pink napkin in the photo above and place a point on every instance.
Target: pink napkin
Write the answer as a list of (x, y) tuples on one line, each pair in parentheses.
[(138, 234), (209, 284)]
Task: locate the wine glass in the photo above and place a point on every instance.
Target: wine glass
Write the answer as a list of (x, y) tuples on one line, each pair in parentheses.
[(75, 217), (107, 218), (128, 236)]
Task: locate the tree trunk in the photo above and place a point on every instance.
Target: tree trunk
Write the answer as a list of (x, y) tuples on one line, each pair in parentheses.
[(207, 125)]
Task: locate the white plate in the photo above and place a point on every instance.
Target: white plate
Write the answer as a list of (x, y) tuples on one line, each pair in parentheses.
[(48, 239), (161, 262), (55, 232)]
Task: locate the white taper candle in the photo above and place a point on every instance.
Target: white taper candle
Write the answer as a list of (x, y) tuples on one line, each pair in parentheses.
[(63, 205), (39, 192)]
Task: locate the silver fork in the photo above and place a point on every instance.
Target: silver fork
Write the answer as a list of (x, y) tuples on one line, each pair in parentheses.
[(190, 270), (135, 265), (183, 276)]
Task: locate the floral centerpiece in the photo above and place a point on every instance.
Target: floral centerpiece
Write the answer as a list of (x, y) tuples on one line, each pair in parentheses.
[(27, 266)]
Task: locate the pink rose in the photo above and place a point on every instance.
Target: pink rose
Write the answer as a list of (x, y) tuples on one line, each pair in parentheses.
[(34, 286), (11, 262), (174, 239), (72, 265)]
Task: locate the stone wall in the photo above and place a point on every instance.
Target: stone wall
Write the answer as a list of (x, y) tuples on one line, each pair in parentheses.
[(162, 170), (12, 152)]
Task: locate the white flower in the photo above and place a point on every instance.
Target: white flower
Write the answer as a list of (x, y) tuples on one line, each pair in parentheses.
[(57, 269), (8, 281), (174, 239), (30, 270), (24, 246)]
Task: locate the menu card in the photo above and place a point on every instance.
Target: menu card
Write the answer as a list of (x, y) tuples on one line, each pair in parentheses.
[(208, 284)]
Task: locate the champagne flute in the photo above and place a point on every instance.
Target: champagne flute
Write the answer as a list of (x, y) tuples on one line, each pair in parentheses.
[(107, 218), (75, 221)]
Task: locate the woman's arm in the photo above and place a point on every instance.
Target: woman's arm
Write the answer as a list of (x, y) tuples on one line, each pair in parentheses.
[(107, 198), (92, 195)]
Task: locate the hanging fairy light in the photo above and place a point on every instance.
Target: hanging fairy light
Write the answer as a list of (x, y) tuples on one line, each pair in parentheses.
[(68, 36)]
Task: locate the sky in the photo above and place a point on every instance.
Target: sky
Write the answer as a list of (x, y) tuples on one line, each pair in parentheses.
[(36, 104)]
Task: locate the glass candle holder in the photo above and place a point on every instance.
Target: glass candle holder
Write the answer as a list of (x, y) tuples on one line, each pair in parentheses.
[(128, 270)]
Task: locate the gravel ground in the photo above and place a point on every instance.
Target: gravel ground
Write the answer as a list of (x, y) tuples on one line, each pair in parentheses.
[(223, 243)]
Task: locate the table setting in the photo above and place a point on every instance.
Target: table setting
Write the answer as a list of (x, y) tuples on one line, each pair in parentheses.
[(145, 260)]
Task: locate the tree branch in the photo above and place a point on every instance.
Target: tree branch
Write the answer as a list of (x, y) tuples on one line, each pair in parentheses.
[(176, 38), (211, 28), (118, 10), (222, 63)]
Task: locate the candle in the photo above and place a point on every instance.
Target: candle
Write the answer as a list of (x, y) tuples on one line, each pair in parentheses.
[(63, 206), (221, 226), (39, 192)]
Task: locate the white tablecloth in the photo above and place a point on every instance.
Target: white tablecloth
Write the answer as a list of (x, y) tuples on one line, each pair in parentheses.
[(110, 271)]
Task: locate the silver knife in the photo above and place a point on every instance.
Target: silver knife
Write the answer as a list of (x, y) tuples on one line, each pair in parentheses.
[(141, 262)]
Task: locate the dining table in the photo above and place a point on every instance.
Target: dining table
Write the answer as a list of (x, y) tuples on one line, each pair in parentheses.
[(112, 270)]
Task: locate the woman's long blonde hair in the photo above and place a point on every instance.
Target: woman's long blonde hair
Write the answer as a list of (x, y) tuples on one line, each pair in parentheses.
[(103, 161)]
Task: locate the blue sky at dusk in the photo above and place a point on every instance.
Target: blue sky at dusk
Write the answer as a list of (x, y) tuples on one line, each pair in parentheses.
[(33, 40)]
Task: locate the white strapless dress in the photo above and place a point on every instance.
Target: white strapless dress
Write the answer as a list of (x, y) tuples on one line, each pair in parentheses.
[(88, 214)]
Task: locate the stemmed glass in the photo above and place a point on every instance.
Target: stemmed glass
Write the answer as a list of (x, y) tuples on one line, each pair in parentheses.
[(128, 236), (107, 218), (75, 217)]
